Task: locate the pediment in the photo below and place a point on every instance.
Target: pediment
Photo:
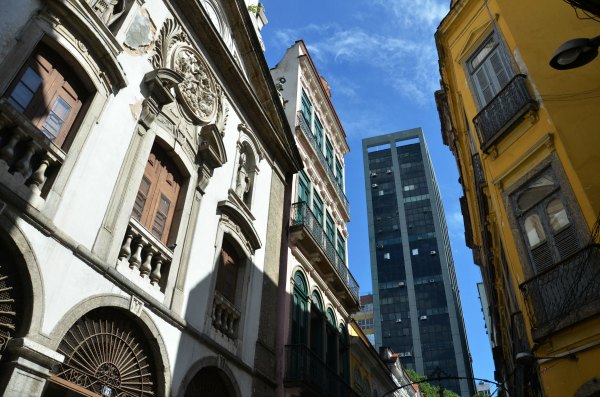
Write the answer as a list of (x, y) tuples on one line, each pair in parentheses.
[(476, 37), (240, 224), (212, 149)]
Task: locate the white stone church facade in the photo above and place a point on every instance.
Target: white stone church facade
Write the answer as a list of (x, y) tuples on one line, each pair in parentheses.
[(145, 188)]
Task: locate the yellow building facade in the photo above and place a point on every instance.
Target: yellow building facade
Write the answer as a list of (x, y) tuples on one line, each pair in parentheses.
[(526, 139)]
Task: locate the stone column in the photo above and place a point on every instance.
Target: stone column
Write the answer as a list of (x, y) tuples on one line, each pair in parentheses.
[(26, 367)]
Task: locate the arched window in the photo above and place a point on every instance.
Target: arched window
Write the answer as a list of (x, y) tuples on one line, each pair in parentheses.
[(108, 354), (545, 222), (299, 310), (12, 301), (48, 92), (158, 196), (344, 358), (331, 354), (316, 325)]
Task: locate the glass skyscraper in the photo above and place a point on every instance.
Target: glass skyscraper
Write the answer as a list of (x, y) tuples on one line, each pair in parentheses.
[(415, 293)]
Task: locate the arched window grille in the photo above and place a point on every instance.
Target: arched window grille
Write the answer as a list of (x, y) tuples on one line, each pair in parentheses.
[(108, 354)]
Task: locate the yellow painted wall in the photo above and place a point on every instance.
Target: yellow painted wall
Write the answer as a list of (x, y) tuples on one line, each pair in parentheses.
[(566, 125)]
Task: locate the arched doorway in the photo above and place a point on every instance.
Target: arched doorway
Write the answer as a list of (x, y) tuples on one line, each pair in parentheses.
[(210, 382), (106, 354)]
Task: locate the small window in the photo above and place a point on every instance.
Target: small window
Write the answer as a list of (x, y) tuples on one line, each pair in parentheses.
[(415, 251), (386, 255)]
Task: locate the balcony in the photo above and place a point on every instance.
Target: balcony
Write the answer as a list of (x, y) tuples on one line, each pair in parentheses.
[(144, 259), (29, 160), (303, 125), (225, 315), (503, 112), (312, 240), (310, 376), (565, 293)]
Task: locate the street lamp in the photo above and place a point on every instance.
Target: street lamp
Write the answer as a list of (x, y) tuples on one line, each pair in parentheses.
[(575, 53), (528, 358)]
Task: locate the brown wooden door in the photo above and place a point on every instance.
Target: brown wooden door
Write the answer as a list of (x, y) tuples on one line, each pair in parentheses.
[(158, 195), (48, 92)]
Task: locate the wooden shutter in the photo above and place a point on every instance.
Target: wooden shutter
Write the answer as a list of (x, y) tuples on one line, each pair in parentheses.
[(484, 86), (158, 195), (499, 69), (227, 273)]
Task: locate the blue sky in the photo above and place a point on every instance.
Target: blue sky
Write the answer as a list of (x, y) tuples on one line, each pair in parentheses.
[(380, 60)]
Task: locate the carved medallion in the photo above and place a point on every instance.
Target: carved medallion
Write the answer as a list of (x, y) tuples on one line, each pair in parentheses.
[(198, 91), (198, 94)]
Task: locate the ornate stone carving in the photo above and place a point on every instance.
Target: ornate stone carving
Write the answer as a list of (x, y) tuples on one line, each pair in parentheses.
[(198, 91), (198, 94)]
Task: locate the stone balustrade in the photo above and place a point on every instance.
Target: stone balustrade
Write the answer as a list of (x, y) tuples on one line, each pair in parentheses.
[(225, 315), (28, 158), (147, 258)]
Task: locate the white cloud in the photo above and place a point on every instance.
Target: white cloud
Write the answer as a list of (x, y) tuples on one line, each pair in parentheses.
[(417, 13)]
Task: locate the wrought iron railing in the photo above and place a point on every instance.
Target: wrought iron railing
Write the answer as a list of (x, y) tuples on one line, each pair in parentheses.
[(302, 215), (478, 171), (565, 293), (313, 141), (507, 107), (305, 367)]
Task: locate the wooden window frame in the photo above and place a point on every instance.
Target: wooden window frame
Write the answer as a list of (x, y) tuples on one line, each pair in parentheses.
[(58, 81), (161, 174), (486, 68)]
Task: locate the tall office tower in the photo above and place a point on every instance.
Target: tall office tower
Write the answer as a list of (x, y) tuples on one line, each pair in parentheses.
[(415, 294)]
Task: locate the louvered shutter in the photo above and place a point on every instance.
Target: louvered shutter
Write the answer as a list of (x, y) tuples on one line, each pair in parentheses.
[(484, 86), (140, 199), (499, 70), (160, 219)]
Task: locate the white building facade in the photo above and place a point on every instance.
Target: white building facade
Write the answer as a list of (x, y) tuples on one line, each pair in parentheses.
[(319, 293), (145, 174)]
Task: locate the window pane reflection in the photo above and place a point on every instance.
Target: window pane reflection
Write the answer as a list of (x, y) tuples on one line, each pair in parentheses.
[(557, 215), (534, 230)]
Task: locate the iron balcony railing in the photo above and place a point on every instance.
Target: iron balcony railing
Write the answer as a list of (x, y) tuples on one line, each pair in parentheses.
[(304, 367), (565, 293), (478, 170), (503, 111), (302, 215), (313, 141)]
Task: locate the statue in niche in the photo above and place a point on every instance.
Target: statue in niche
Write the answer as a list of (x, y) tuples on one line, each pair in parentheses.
[(242, 184), (107, 10)]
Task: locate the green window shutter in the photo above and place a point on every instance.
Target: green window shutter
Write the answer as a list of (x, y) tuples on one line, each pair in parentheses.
[(306, 109), (329, 228), (339, 177), (328, 153), (319, 132), (318, 208), (303, 187), (341, 246)]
